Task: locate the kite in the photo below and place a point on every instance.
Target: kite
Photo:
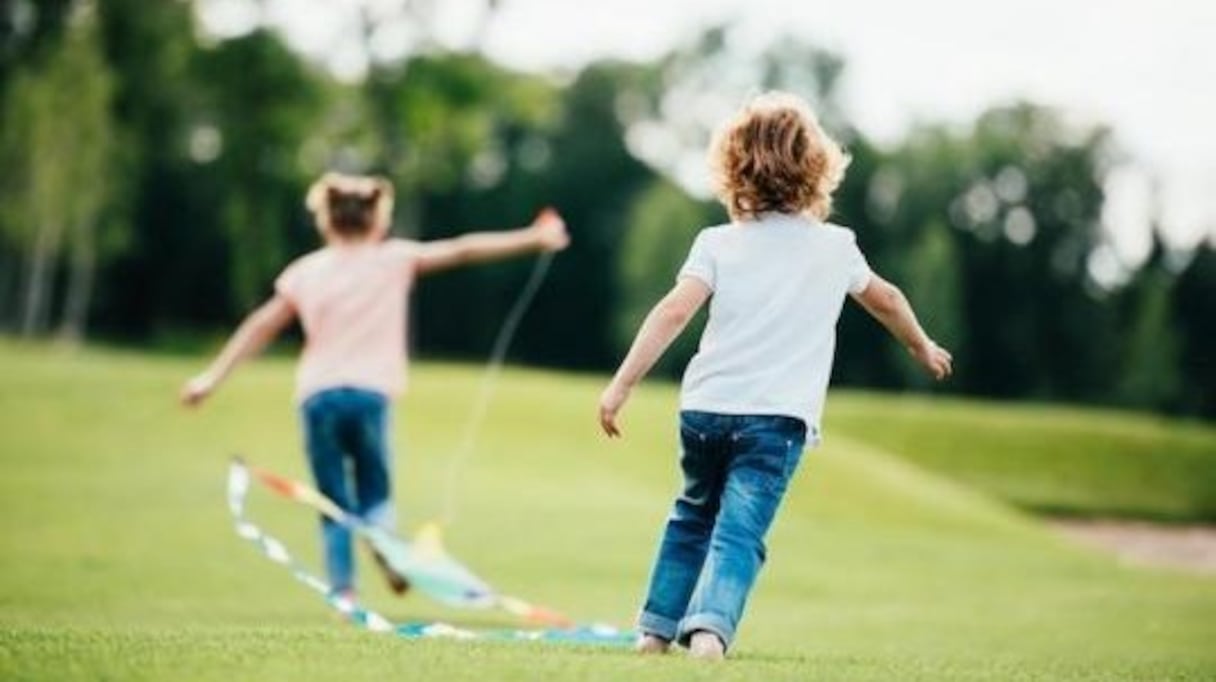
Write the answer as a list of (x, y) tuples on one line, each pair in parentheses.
[(424, 562)]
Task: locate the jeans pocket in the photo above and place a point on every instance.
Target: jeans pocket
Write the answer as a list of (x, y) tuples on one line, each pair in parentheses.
[(695, 427), (768, 451)]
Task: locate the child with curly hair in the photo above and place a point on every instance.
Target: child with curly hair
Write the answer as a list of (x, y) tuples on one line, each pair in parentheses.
[(776, 278)]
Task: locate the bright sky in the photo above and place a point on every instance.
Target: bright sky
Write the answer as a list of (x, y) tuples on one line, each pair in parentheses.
[(1145, 67)]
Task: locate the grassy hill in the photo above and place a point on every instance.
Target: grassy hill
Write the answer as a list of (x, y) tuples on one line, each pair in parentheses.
[(1053, 459), (120, 562)]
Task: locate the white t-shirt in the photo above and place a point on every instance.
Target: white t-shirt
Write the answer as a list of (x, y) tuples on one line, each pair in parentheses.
[(778, 284)]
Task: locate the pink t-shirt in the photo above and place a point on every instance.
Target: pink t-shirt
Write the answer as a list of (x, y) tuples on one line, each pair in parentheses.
[(352, 301)]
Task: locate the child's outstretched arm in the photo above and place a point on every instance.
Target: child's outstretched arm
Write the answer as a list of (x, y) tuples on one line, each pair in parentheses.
[(546, 233), (257, 330), (661, 326), (887, 304)]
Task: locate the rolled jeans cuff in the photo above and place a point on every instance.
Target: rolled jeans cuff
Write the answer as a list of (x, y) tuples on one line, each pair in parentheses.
[(710, 623), (659, 626)]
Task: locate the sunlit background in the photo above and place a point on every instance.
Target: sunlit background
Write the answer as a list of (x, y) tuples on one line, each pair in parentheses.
[(1036, 176), (1039, 177), (1139, 67)]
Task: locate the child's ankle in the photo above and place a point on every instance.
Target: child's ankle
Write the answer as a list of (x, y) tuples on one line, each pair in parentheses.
[(706, 645), (649, 643)]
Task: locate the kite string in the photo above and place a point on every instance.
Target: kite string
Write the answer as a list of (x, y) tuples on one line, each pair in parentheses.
[(489, 382)]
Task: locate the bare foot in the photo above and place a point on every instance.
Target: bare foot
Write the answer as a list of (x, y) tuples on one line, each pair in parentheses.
[(651, 644), (706, 646)]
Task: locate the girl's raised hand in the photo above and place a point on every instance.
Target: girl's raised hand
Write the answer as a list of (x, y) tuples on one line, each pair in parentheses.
[(549, 231)]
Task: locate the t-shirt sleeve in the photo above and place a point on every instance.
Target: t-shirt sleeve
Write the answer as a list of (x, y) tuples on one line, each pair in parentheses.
[(288, 284), (858, 269), (404, 254), (700, 263)]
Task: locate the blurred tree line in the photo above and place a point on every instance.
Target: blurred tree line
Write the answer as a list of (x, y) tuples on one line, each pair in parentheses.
[(151, 183)]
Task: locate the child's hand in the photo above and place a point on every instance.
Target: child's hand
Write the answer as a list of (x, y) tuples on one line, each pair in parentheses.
[(611, 401), (196, 390), (936, 360), (549, 230)]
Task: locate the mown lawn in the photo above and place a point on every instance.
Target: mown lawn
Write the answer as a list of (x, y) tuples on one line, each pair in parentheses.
[(119, 561), (1052, 459)]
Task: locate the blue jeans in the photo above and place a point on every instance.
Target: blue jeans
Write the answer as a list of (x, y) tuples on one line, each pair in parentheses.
[(736, 469), (347, 429)]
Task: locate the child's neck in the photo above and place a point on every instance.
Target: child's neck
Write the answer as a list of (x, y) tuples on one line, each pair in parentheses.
[(341, 242)]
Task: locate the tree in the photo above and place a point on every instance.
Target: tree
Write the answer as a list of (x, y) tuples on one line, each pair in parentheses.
[(161, 200), (442, 123), (1022, 193), (466, 142), (57, 146), (662, 224), (1149, 364), (481, 146), (1194, 316), (261, 105), (933, 280), (593, 178), (28, 29)]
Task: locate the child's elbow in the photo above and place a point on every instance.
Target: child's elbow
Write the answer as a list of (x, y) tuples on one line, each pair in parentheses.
[(671, 315), (270, 317), (895, 298), (889, 299), (259, 323)]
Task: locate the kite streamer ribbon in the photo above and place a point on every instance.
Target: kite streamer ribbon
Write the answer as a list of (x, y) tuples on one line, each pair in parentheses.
[(423, 562)]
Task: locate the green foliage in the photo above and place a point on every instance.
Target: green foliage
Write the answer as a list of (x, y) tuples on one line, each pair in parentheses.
[(935, 289), (126, 566), (175, 264), (1022, 192), (27, 29), (262, 105), (662, 225), (1194, 308), (580, 164), (203, 158), (443, 118), (56, 148), (1041, 330), (56, 138), (1149, 374)]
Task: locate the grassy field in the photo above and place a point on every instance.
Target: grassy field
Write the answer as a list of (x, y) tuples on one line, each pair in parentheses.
[(1053, 459), (119, 561)]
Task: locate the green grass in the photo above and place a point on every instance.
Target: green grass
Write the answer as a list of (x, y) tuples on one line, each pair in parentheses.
[(1058, 460), (119, 561)]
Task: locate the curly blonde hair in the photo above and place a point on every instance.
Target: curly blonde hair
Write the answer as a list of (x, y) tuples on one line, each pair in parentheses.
[(774, 156)]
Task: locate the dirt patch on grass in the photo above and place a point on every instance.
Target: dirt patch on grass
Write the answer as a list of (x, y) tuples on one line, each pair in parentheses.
[(1190, 548)]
